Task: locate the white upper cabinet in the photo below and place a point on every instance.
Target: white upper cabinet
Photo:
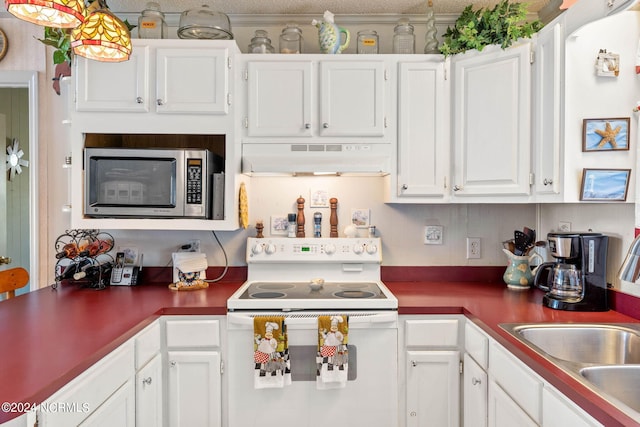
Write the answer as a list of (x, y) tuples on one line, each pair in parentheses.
[(315, 97), (423, 133), (163, 78), (491, 123), (547, 115)]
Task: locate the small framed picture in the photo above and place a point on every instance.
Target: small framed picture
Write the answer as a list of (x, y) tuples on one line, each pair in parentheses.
[(433, 234), (361, 218), (319, 198), (279, 225), (605, 134), (608, 185)]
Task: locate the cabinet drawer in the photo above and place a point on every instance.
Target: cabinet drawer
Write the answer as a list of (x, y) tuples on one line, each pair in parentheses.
[(193, 333), (432, 333), (147, 344), (476, 344), (90, 389), (522, 386)]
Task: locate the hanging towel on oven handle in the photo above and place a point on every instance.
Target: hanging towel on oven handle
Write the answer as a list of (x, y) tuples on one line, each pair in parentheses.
[(333, 352), (272, 368)]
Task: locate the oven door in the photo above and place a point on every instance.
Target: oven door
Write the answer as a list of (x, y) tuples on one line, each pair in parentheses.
[(370, 397)]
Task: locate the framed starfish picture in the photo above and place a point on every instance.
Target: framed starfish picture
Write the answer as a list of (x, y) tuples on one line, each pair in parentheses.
[(605, 134)]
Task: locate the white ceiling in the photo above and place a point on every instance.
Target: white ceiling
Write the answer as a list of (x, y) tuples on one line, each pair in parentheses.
[(286, 7)]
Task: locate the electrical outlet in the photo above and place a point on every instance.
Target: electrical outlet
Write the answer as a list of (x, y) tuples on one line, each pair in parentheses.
[(564, 226), (190, 246), (473, 247)]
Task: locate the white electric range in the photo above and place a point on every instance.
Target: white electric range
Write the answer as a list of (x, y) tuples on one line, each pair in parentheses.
[(301, 279)]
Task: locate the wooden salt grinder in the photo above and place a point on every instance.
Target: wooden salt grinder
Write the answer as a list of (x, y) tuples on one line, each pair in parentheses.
[(300, 219), (333, 218)]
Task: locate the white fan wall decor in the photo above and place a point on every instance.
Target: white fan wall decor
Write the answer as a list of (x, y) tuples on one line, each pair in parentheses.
[(15, 160)]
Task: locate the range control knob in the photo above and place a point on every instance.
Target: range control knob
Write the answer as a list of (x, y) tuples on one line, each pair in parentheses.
[(330, 249), (358, 248), (372, 249), (257, 249), (270, 248)]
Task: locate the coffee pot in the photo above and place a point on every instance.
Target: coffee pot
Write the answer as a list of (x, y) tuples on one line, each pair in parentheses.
[(577, 279)]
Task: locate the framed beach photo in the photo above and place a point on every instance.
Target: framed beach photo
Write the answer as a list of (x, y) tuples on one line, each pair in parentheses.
[(608, 185), (605, 134), (360, 217)]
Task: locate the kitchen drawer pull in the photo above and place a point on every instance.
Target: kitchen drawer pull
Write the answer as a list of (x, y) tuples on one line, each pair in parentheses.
[(457, 188), (405, 187), (307, 125), (147, 381), (139, 100), (159, 101), (475, 381), (325, 125)]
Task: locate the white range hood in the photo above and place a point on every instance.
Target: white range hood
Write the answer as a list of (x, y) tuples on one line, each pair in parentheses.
[(316, 159)]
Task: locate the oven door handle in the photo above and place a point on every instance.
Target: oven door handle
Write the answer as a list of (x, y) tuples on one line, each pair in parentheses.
[(355, 320)]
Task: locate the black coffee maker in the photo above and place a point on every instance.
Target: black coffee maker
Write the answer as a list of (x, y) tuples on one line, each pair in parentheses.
[(577, 280)]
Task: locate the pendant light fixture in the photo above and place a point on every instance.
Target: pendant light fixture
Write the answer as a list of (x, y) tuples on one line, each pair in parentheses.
[(49, 13), (102, 36)]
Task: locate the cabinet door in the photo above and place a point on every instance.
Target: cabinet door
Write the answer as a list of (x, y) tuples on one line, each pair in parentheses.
[(352, 98), (279, 98), (118, 410), (475, 394), (558, 411), (503, 411), (111, 86), (433, 388), (194, 389), (423, 130), (192, 80), (547, 117), (492, 115), (149, 394)]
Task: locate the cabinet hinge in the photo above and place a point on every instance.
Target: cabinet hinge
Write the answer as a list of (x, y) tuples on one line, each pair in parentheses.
[(228, 99), (246, 74), (385, 123), (221, 367), (229, 62), (445, 182), (386, 74), (246, 122), (461, 369), (532, 56), (532, 178)]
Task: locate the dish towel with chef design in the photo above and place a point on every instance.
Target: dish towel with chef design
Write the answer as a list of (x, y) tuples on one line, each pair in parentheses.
[(271, 352), (333, 353)]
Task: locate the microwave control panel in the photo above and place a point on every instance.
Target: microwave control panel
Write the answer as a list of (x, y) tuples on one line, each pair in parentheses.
[(194, 181)]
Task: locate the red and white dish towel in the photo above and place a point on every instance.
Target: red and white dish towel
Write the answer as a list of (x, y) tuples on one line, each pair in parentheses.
[(333, 353)]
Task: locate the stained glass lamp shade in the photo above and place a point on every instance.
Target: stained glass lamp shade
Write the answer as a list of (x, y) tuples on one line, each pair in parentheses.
[(103, 37), (50, 13)]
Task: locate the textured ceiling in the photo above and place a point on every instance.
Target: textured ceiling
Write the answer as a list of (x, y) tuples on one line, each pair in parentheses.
[(256, 7)]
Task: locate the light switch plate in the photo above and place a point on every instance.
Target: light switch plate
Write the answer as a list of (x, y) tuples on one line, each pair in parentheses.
[(433, 234)]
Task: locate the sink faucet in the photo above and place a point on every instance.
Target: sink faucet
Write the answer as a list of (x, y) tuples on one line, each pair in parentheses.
[(630, 269)]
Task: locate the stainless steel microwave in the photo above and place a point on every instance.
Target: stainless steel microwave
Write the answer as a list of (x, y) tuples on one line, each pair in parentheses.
[(148, 183)]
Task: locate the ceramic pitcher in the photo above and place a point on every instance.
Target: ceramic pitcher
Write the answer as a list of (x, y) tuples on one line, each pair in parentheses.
[(519, 274), (330, 35)]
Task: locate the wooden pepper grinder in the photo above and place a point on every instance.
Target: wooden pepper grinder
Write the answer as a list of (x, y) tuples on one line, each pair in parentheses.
[(333, 218), (300, 219), (259, 228)]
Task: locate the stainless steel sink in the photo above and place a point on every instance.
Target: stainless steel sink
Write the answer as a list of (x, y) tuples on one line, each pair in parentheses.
[(621, 382), (584, 343), (603, 357)]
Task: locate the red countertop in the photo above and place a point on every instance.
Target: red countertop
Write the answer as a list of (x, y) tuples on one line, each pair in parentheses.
[(50, 336)]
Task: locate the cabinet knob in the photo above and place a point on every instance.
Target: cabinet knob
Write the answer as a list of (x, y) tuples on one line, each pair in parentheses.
[(405, 186), (325, 125), (475, 381), (172, 363), (547, 181), (307, 125), (147, 381), (159, 102), (457, 188), (139, 100)]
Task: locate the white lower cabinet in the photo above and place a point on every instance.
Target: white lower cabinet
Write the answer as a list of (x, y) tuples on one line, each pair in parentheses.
[(430, 370), (501, 391), (118, 410), (149, 394), (193, 371)]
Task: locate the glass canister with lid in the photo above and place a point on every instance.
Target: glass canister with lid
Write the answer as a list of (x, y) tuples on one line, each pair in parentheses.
[(291, 40), (261, 43), (404, 40), (367, 42), (151, 23)]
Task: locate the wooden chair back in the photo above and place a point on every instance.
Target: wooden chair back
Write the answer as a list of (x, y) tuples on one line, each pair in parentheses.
[(12, 279)]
